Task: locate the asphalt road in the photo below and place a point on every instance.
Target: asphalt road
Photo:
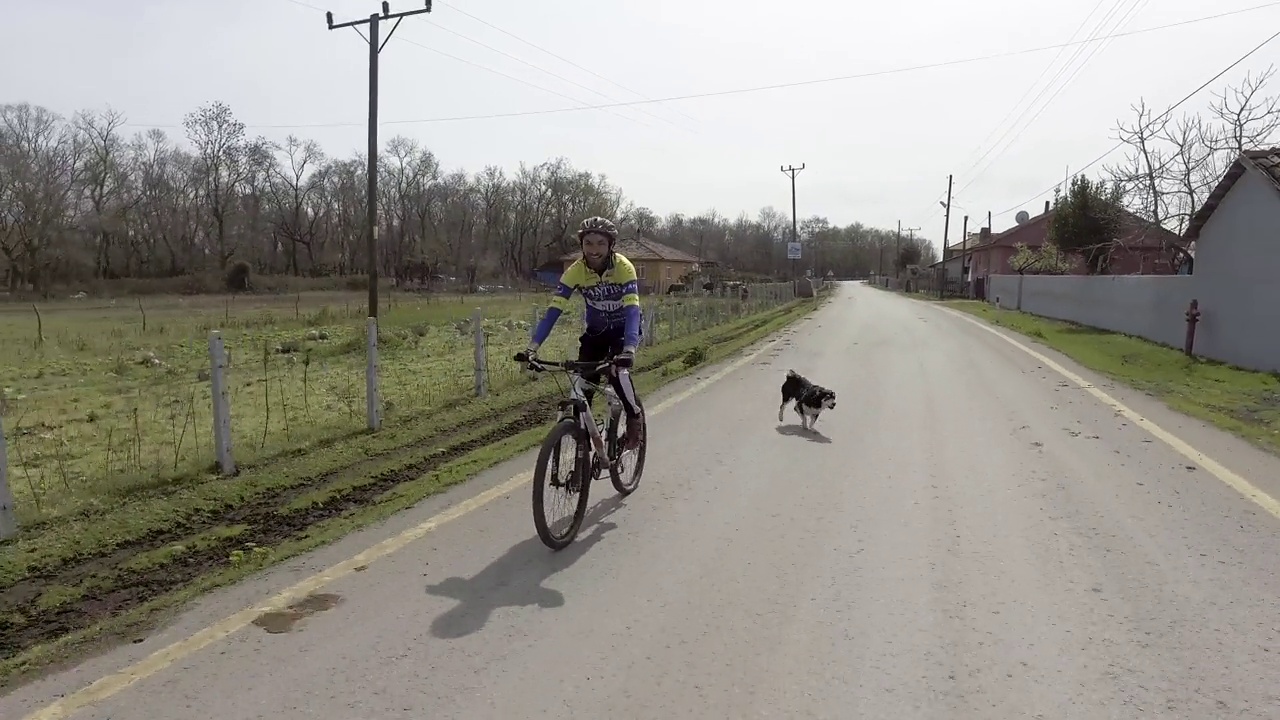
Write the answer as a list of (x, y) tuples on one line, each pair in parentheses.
[(971, 536)]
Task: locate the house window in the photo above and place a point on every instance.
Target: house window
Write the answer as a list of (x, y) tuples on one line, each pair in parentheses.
[(640, 270), (668, 269)]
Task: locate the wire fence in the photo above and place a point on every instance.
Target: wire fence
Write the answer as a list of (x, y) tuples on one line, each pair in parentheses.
[(98, 401)]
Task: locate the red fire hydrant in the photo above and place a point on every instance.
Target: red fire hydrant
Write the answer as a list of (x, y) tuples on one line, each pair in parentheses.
[(1193, 317)]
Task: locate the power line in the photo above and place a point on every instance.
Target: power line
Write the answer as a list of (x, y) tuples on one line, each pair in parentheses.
[(582, 105), (1134, 12), (1031, 87), (933, 209), (1155, 120), (761, 88), (557, 76), (1094, 51), (1094, 34), (562, 59)]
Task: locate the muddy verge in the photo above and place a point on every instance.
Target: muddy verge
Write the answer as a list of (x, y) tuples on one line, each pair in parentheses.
[(75, 570), (96, 588), (30, 622)]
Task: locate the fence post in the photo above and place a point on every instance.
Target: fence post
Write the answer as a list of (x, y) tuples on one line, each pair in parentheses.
[(8, 510), (372, 408), (221, 403), (648, 329), (477, 324)]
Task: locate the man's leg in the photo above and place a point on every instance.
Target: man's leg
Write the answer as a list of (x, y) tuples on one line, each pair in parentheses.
[(621, 381), (592, 348)]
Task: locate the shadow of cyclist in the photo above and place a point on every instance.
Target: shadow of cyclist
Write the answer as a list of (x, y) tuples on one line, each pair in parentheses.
[(515, 579)]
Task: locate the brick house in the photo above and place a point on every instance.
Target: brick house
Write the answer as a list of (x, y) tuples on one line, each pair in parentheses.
[(1142, 249), (657, 265)]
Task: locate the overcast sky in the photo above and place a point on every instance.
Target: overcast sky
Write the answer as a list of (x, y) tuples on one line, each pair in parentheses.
[(876, 149)]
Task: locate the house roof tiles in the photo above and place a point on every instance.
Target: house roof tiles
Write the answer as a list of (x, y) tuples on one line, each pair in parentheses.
[(645, 249)]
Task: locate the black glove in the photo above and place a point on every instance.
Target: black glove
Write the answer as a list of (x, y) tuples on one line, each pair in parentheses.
[(625, 359)]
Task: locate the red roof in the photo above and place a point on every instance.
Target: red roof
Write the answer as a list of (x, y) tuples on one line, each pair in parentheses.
[(1033, 233), (644, 249)]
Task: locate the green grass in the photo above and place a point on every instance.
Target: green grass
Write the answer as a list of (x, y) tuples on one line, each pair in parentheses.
[(55, 544), (1239, 401), (100, 405)]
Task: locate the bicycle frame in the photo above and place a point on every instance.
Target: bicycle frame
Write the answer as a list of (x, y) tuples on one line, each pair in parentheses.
[(577, 403), (577, 400)]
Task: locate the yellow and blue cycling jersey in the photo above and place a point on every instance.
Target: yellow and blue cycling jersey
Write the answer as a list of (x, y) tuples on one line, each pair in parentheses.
[(612, 300)]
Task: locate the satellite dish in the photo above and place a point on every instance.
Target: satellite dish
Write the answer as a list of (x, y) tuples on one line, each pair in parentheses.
[(1021, 217)]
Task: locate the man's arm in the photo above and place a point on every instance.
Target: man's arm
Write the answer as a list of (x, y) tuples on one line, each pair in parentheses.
[(559, 301), (630, 304)]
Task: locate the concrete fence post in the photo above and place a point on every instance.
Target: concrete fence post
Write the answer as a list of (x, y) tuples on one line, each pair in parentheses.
[(8, 509), (372, 408), (477, 326), (220, 394)]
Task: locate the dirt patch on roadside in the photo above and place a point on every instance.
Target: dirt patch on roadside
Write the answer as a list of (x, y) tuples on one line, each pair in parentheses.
[(57, 601), (103, 587)]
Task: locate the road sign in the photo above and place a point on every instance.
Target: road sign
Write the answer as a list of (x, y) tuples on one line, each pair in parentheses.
[(793, 251)]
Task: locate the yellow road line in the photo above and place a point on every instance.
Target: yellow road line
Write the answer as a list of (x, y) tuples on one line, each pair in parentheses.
[(164, 657), (1182, 447)]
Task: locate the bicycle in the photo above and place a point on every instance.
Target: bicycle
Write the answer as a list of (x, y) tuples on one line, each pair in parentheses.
[(603, 452)]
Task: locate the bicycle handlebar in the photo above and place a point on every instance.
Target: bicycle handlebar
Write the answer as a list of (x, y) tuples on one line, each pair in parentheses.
[(573, 366)]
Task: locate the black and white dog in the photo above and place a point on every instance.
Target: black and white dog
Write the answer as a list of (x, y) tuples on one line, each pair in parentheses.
[(810, 399)]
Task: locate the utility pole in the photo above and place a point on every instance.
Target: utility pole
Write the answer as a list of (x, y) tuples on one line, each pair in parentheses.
[(897, 248), (374, 49), (946, 231), (897, 253), (793, 171)]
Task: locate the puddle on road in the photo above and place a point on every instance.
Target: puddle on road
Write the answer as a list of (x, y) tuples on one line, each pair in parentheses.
[(283, 621)]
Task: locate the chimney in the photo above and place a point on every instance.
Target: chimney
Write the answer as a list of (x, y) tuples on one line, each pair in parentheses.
[(984, 234), (1046, 206)]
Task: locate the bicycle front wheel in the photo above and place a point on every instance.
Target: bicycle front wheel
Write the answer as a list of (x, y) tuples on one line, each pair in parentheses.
[(627, 466), (556, 485)]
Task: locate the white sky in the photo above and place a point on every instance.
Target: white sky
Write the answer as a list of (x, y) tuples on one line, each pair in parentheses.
[(877, 150)]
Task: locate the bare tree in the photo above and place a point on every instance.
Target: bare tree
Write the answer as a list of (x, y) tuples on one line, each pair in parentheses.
[(1173, 165), (297, 183), (1248, 118), (81, 202), (41, 165), (223, 165)]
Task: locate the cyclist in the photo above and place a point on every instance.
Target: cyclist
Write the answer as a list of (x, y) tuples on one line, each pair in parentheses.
[(610, 289)]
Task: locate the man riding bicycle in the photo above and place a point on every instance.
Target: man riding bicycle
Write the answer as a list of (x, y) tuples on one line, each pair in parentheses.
[(610, 289)]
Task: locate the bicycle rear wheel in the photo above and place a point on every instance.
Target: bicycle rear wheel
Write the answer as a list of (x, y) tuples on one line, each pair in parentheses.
[(549, 478), (616, 438)]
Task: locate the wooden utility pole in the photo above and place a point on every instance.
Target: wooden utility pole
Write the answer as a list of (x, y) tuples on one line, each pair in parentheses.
[(946, 232), (375, 48)]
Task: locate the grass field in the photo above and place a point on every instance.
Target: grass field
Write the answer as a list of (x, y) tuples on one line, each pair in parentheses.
[(1239, 401), (112, 548), (108, 398)]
